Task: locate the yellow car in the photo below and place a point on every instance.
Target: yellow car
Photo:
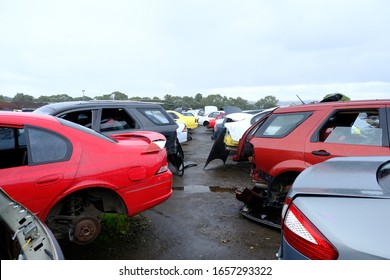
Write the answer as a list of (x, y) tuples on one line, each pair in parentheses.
[(189, 121)]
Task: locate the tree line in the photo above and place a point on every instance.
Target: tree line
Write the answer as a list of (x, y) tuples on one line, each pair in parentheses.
[(169, 102)]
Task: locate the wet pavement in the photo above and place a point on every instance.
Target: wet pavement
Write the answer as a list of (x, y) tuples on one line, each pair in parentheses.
[(200, 221)]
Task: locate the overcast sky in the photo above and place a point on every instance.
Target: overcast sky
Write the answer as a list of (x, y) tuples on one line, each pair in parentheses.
[(243, 48)]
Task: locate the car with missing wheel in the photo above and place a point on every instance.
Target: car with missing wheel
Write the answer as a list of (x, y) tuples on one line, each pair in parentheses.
[(336, 210), (290, 139), (69, 175)]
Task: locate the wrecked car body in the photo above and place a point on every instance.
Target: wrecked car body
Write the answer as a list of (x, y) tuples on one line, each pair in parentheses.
[(290, 139)]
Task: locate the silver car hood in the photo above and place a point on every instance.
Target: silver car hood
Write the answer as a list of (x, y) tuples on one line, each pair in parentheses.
[(343, 176)]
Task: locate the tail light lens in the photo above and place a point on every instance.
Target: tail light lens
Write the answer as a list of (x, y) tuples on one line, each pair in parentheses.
[(164, 165), (162, 169), (301, 234)]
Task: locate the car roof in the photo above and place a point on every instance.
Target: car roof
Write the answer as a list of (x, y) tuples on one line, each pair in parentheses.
[(328, 105), (60, 106), (23, 115), (238, 116), (231, 109)]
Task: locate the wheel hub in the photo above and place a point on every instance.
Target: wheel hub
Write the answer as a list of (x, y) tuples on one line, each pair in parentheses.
[(85, 229)]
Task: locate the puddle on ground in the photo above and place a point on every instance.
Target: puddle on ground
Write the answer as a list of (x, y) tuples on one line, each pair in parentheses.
[(202, 189)]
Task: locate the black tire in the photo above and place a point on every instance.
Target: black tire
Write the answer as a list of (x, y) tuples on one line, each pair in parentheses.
[(177, 159)]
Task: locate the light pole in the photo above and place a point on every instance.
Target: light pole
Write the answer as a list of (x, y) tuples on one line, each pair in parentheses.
[(83, 93)]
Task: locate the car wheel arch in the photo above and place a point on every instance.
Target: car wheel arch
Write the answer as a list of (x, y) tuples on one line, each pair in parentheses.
[(281, 184), (288, 166), (111, 200)]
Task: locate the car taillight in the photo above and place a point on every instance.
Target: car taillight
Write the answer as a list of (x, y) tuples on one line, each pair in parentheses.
[(164, 165), (301, 234), (162, 169), (287, 203)]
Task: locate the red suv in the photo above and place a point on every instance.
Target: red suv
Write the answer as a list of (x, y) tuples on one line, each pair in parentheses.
[(290, 139)]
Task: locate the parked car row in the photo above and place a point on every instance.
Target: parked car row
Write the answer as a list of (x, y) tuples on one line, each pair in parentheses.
[(316, 169), (189, 120)]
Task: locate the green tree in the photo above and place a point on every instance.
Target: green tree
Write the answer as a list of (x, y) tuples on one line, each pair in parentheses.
[(44, 99), (172, 102), (215, 100), (157, 99), (240, 102), (60, 98), (20, 97), (198, 97), (267, 102), (5, 98), (117, 95)]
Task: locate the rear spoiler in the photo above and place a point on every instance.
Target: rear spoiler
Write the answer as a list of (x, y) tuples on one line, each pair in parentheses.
[(155, 140)]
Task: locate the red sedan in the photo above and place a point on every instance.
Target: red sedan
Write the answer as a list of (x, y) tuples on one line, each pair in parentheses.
[(212, 121), (69, 175)]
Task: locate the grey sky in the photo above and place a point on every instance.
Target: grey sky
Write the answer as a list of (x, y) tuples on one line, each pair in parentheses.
[(246, 48)]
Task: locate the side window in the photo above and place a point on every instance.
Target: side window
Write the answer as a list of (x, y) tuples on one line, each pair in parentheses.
[(7, 138), (81, 117), (46, 146), (280, 125), (155, 115), (361, 127), (13, 151), (173, 115), (115, 119), (256, 118)]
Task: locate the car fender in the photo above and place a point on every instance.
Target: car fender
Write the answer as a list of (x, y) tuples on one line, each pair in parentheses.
[(288, 166)]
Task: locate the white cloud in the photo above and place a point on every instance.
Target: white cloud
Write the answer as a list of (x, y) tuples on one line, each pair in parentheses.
[(152, 48)]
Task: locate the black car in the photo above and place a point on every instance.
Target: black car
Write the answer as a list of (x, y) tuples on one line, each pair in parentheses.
[(113, 116)]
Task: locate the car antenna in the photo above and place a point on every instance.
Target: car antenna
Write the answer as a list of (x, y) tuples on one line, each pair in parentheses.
[(300, 99)]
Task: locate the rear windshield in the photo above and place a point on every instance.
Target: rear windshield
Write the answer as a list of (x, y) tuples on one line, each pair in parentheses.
[(156, 116)]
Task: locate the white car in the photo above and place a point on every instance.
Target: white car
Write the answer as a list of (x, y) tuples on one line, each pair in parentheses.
[(182, 133), (235, 130), (204, 120)]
